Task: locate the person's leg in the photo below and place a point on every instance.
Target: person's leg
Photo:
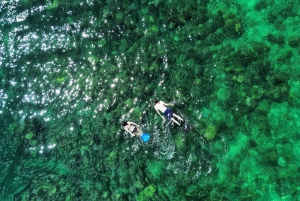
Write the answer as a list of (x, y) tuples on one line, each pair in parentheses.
[(175, 121), (139, 132), (178, 117)]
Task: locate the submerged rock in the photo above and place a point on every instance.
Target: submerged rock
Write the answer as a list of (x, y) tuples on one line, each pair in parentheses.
[(210, 132)]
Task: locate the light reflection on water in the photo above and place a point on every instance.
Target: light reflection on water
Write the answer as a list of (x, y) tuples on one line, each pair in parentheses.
[(72, 81)]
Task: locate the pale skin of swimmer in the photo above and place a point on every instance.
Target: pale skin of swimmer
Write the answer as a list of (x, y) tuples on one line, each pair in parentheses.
[(129, 128), (161, 107)]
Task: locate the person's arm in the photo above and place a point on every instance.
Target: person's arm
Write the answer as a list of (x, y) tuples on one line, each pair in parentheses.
[(166, 104), (133, 124), (159, 113), (129, 132)]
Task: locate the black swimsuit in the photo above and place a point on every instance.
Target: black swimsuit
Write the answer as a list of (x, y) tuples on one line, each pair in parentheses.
[(134, 129)]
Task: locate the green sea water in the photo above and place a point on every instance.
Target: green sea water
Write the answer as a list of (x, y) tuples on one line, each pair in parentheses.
[(71, 71)]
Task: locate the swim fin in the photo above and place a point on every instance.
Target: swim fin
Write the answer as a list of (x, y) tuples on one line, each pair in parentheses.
[(187, 128), (145, 137)]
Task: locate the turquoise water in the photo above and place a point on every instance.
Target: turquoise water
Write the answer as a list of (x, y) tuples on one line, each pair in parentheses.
[(71, 71)]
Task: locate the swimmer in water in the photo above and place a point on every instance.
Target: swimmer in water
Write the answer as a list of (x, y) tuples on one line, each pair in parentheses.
[(132, 128), (160, 106)]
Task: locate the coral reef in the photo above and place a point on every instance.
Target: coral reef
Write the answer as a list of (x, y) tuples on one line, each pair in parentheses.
[(71, 71)]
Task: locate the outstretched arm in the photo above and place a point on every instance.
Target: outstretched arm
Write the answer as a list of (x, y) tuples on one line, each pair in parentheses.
[(133, 123), (166, 104), (159, 113), (129, 132)]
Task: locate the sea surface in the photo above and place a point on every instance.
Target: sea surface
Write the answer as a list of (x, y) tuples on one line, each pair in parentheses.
[(72, 71)]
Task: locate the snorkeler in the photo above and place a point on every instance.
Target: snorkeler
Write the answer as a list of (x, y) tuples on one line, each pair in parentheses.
[(135, 130), (132, 128), (161, 106)]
